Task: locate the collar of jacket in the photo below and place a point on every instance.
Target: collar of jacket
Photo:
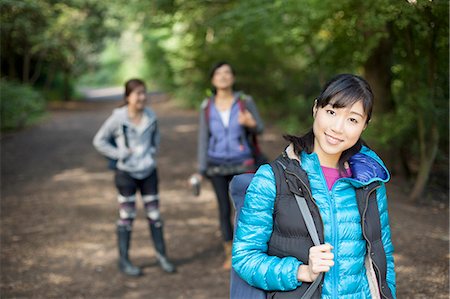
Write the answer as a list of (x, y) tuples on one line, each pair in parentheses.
[(236, 96), (148, 117), (295, 174), (366, 166)]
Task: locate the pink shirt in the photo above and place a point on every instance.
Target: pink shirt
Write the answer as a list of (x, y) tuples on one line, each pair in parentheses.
[(332, 175)]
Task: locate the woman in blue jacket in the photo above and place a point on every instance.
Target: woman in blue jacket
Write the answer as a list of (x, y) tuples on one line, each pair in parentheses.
[(270, 239), (223, 147)]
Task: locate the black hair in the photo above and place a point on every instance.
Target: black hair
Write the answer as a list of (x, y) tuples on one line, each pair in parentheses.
[(213, 70), (341, 91), (130, 85)]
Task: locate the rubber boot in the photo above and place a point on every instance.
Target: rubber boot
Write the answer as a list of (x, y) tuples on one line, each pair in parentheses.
[(158, 241), (123, 237), (227, 248)]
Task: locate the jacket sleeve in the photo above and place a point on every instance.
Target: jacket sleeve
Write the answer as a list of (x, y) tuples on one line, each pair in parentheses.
[(386, 238), (203, 136), (102, 139), (251, 107), (250, 259), (156, 138)]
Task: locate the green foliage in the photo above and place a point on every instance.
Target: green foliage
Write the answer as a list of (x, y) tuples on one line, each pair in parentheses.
[(20, 105), (283, 52), (43, 39)]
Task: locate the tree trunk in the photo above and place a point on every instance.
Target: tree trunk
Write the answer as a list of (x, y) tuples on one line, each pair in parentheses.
[(37, 70), (26, 67), (428, 146), (427, 158), (66, 86), (50, 76), (12, 66), (377, 71)]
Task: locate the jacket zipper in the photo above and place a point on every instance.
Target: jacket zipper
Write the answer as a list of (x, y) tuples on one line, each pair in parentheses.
[(335, 241), (368, 243)]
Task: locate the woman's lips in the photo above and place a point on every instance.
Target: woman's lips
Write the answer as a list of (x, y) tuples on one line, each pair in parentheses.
[(333, 140)]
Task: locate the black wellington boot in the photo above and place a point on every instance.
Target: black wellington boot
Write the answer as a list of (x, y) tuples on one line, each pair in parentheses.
[(158, 241), (123, 237)]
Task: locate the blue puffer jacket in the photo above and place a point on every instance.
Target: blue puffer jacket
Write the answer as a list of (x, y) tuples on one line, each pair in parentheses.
[(342, 229)]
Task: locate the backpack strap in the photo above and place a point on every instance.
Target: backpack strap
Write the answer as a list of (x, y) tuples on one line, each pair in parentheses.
[(153, 136), (207, 109), (253, 138), (125, 135), (306, 213), (307, 217)]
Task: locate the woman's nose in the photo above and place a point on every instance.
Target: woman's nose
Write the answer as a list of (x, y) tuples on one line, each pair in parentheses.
[(338, 125)]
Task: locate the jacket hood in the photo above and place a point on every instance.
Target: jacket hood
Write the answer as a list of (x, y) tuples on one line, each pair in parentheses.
[(121, 114), (367, 167)]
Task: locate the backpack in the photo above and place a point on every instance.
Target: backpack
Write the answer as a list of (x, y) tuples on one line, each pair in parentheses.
[(237, 190), (112, 163), (238, 287), (259, 157)]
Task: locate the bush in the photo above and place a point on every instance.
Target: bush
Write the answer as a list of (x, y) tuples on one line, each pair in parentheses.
[(20, 105)]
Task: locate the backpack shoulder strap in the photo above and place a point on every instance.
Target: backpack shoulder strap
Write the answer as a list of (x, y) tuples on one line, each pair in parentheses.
[(242, 101), (206, 106), (278, 165), (307, 217)]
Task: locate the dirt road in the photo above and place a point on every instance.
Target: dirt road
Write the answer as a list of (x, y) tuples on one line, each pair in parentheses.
[(58, 209)]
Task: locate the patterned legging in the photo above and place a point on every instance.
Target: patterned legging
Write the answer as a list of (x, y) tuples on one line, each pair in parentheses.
[(127, 187)]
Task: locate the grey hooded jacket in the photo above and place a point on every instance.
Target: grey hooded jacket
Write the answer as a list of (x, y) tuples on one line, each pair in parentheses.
[(136, 145)]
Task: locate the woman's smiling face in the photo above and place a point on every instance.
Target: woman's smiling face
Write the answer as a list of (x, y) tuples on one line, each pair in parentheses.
[(223, 77), (137, 98), (336, 130)]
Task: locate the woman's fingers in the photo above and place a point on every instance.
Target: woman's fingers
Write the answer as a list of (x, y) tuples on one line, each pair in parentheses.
[(321, 259), (322, 248)]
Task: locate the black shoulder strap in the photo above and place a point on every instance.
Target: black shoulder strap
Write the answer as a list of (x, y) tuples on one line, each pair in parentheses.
[(153, 135), (366, 198), (307, 217)]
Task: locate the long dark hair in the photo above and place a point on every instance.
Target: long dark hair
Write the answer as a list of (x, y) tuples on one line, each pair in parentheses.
[(342, 91), (131, 85), (213, 70)]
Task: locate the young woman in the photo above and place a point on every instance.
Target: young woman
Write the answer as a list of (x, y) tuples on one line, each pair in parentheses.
[(223, 147), (273, 249), (134, 130)]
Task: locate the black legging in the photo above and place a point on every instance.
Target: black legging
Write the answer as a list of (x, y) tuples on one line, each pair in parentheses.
[(220, 185), (127, 187)]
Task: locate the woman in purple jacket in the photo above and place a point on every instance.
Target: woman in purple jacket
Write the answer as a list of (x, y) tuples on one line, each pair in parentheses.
[(226, 119)]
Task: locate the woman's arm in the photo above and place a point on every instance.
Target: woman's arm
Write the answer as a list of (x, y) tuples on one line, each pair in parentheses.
[(386, 238), (251, 107), (203, 136), (102, 139), (250, 259)]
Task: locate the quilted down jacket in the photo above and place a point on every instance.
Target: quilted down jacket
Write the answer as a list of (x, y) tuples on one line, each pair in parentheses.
[(341, 226)]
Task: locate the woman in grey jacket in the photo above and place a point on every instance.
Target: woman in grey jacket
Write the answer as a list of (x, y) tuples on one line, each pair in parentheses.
[(224, 150), (131, 136)]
